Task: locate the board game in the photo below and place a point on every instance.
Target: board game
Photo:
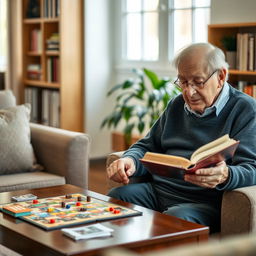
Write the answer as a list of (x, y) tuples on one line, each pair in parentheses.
[(67, 210)]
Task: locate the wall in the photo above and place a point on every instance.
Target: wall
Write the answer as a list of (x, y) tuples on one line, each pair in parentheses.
[(233, 11), (98, 72)]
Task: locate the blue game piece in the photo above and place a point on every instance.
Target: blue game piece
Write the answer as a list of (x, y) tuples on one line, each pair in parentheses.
[(68, 206)]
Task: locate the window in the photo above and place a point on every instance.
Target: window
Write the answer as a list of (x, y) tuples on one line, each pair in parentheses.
[(153, 30), (141, 41), (3, 35), (188, 20)]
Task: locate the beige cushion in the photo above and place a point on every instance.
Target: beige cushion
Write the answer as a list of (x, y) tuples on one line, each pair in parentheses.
[(29, 180), (16, 153), (7, 99)]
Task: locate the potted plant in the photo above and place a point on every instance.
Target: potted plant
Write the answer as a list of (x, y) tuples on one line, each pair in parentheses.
[(139, 102), (229, 44)]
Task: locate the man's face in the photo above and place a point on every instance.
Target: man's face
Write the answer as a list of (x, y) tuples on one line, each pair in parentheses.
[(192, 69)]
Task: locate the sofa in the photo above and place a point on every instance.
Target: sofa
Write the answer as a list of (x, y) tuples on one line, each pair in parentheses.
[(34, 155), (238, 210)]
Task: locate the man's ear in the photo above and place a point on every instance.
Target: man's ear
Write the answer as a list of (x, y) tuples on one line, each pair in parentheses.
[(222, 77)]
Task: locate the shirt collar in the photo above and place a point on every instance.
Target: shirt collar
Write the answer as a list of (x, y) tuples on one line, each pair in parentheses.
[(217, 106)]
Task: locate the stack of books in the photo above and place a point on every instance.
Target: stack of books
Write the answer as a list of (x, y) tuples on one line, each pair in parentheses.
[(34, 71), (53, 42), (87, 232)]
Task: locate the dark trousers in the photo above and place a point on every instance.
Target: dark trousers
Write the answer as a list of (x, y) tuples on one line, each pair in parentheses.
[(144, 195)]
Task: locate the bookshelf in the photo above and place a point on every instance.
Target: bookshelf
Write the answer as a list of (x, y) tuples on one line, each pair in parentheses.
[(52, 56), (242, 77)]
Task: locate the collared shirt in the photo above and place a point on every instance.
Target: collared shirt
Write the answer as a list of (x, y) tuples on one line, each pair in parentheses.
[(217, 106)]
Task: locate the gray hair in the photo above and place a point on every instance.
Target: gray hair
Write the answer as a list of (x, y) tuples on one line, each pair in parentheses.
[(215, 57)]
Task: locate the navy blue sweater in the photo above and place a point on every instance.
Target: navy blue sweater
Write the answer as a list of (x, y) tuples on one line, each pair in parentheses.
[(178, 133)]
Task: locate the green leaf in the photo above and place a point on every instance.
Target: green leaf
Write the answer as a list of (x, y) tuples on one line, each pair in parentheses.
[(152, 77), (127, 112), (141, 127)]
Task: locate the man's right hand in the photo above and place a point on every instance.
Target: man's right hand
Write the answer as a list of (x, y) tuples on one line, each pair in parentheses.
[(121, 169)]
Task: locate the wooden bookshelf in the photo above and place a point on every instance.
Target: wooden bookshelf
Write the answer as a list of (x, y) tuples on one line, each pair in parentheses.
[(217, 31), (57, 69)]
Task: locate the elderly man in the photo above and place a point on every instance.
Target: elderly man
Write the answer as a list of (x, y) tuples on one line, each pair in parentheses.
[(207, 109)]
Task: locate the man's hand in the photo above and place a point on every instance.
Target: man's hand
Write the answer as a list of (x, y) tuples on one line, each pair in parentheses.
[(209, 177), (121, 169)]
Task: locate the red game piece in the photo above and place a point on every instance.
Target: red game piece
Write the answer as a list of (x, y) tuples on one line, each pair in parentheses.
[(52, 221), (78, 204), (111, 209), (116, 211), (35, 201)]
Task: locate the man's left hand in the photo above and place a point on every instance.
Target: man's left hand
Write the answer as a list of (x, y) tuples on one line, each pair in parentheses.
[(209, 177)]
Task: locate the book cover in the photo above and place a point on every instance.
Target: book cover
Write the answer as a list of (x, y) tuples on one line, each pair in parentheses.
[(205, 156)]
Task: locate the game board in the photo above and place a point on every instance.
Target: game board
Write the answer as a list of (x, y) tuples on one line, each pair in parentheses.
[(68, 210)]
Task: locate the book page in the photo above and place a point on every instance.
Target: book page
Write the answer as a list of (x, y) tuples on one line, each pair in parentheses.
[(211, 148), (167, 159)]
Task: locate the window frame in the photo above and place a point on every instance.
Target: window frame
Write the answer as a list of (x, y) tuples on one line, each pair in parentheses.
[(166, 48)]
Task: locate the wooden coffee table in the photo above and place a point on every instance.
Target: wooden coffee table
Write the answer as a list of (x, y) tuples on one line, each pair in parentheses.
[(150, 231)]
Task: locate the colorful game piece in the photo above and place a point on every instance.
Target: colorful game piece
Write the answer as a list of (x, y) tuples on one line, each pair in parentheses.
[(83, 209), (63, 204), (35, 201), (79, 198), (52, 221), (68, 196), (50, 209), (88, 199), (78, 204), (68, 206), (116, 211), (111, 209)]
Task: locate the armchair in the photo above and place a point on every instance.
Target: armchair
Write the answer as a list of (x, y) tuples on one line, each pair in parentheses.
[(238, 210)]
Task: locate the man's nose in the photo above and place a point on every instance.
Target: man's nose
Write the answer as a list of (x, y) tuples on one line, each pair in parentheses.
[(190, 90)]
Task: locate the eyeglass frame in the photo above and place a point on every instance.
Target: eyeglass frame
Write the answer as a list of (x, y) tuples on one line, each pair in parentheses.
[(193, 85)]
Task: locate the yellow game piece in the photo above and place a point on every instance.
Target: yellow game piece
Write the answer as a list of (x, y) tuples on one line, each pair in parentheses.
[(50, 210)]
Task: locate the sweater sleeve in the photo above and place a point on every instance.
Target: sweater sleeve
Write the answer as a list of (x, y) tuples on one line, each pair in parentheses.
[(242, 169), (151, 142)]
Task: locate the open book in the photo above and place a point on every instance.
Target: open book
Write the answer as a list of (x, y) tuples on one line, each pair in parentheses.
[(207, 155)]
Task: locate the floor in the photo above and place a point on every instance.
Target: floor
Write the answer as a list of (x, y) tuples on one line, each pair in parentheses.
[(98, 181)]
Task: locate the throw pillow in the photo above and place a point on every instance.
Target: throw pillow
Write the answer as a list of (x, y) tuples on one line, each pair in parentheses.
[(7, 99), (16, 152)]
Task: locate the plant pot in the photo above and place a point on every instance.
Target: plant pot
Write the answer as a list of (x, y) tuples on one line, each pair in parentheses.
[(231, 59), (119, 143)]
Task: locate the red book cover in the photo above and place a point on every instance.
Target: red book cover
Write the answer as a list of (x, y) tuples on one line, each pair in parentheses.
[(177, 171)]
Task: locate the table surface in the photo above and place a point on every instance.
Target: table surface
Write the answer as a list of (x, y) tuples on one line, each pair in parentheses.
[(152, 230)]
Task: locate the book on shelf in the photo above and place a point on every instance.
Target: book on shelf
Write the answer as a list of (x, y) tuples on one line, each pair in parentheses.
[(51, 8), (87, 232), (205, 156)]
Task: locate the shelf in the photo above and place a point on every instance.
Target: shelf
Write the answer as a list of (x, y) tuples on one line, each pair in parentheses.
[(52, 53), (50, 20), (241, 72), (34, 54), (43, 84), (233, 25), (32, 21)]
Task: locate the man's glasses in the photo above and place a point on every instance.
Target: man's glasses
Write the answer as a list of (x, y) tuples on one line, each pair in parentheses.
[(183, 84)]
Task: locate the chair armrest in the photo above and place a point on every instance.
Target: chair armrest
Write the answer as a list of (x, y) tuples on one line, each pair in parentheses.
[(62, 152), (238, 213)]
